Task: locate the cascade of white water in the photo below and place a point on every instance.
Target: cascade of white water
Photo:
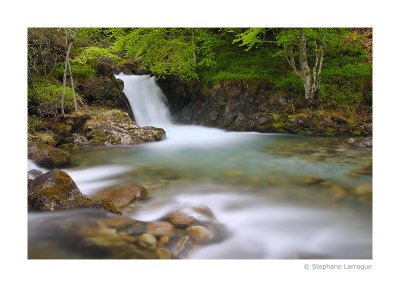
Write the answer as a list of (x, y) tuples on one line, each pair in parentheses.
[(147, 101)]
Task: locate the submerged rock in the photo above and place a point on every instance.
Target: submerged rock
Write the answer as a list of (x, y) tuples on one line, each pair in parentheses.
[(362, 142), (160, 229), (163, 253), (317, 181), (148, 241), (363, 191), (122, 196), (181, 219), (182, 247), (199, 234), (47, 156)]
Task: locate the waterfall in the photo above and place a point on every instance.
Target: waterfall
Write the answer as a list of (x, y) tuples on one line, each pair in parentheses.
[(147, 101)]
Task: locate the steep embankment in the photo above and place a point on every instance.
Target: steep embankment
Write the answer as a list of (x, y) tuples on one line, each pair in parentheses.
[(242, 106)]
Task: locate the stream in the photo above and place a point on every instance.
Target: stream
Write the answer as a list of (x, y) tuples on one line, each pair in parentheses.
[(279, 196)]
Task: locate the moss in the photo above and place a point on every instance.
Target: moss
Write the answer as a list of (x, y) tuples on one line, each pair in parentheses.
[(356, 133), (106, 205), (46, 138), (330, 132), (48, 156)]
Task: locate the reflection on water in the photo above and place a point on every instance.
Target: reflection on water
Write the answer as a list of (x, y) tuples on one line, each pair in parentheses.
[(279, 196)]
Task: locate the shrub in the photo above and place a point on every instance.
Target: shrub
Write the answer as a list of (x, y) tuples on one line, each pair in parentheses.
[(44, 98)]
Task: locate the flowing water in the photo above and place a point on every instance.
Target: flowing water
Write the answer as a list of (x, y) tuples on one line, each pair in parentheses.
[(279, 196)]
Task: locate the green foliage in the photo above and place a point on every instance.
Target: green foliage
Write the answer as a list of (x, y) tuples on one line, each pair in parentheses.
[(166, 51), (89, 55), (289, 83), (44, 98), (250, 38), (78, 71), (45, 51)]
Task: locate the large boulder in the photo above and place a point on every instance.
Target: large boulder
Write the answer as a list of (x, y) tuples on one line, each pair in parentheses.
[(47, 156), (56, 190), (110, 127)]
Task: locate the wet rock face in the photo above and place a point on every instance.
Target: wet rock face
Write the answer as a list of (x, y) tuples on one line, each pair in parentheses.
[(245, 106), (47, 156), (104, 88)]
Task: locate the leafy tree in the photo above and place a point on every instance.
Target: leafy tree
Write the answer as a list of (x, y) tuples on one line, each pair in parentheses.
[(45, 51), (166, 51), (303, 49)]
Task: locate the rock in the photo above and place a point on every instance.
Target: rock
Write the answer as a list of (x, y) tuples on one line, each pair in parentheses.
[(119, 222), (317, 181), (182, 247), (365, 142), (164, 240), (103, 69), (362, 170), (199, 234), (363, 190), (163, 253), (338, 191), (47, 156), (200, 213), (33, 174), (115, 127), (106, 205), (148, 241), (104, 89), (122, 196), (160, 228), (55, 190), (181, 219)]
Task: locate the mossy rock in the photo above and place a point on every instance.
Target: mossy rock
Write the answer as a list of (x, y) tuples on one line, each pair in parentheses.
[(47, 156), (55, 190)]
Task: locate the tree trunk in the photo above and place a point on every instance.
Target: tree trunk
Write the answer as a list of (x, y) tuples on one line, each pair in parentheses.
[(311, 81), (66, 68), (72, 86)]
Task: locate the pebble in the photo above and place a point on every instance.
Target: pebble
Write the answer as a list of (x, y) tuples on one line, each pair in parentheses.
[(164, 240), (160, 228), (163, 253), (182, 247), (119, 222), (316, 180), (148, 241), (199, 233), (180, 218)]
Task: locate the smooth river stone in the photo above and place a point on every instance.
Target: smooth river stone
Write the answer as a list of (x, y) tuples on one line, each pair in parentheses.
[(163, 253), (182, 246), (160, 228), (199, 233), (180, 218), (148, 241)]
